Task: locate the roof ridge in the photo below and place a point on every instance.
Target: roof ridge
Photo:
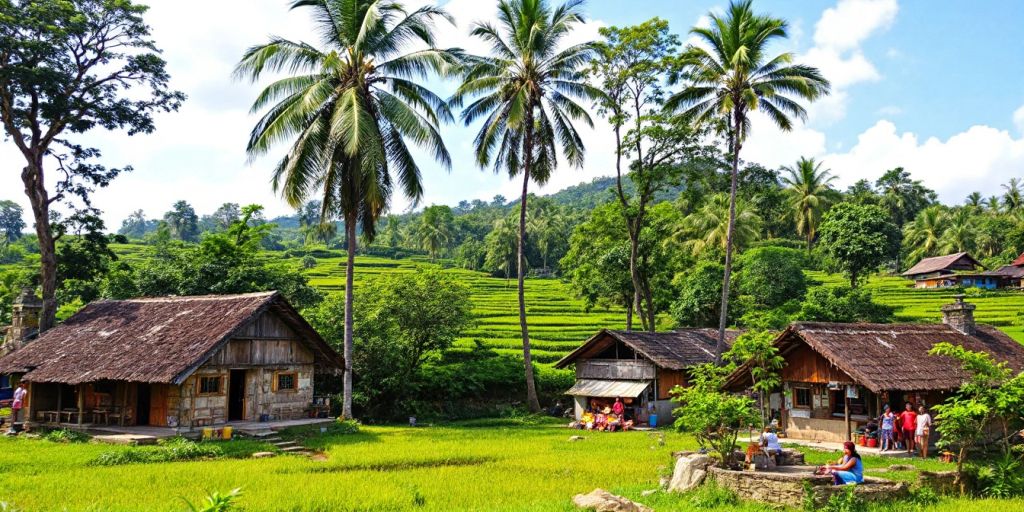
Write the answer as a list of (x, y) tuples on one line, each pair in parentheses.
[(183, 298)]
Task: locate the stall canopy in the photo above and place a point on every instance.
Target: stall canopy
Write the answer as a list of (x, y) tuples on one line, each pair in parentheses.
[(608, 388)]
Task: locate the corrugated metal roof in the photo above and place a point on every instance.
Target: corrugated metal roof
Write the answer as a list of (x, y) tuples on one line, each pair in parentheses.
[(608, 388)]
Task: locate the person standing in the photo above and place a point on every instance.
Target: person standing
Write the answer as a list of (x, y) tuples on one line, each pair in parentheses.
[(888, 422), (908, 421), (19, 401), (618, 407), (923, 430)]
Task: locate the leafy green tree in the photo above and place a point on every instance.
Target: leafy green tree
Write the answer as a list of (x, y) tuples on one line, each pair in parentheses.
[(632, 64), (349, 108), (471, 255), (11, 223), (843, 304), (526, 91), (975, 200), (962, 420), (756, 350), (772, 275), (700, 293), (83, 257), (70, 66), (732, 75), (810, 194), (714, 417), (183, 222), (402, 321), (856, 238), (135, 225), (436, 230), (500, 248), (862, 192), (225, 215), (392, 233), (707, 230)]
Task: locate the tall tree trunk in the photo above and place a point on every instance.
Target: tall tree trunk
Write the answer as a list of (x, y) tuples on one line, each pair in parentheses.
[(531, 386), (724, 313), (39, 199), (629, 318), (350, 235)]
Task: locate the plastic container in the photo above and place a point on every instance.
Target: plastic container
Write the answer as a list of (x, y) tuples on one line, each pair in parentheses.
[(872, 442), (207, 433), (227, 433), (652, 420)]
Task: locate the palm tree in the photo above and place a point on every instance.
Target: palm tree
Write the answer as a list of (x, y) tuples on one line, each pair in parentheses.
[(961, 234), (810, 194), (707, 229), (974, 200), (526, 91), (923, 236), (348, 109), (733, 77), (436, 229), (993, 205), (1012, 198)]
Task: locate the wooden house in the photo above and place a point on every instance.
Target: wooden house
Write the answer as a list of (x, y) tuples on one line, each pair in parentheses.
[(838, 376), (639, 367), (942, 272), (180, 362)]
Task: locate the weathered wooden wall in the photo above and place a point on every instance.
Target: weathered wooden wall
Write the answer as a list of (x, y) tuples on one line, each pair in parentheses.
[(668, 379), (806, 365), (615, 369)]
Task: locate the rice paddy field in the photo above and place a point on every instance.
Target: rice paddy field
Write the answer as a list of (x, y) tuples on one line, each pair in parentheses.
[(481, 466)]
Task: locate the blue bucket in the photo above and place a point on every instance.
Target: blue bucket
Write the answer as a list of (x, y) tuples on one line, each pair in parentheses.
[(652, 420)]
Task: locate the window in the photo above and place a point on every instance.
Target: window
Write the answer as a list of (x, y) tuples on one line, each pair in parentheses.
[(287, 382), (209, 385), (802, 398)]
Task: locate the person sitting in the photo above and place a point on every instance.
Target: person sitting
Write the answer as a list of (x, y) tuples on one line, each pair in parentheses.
[(587, 420), (601, 419), (613, 422), (849, 470), (770, 444)]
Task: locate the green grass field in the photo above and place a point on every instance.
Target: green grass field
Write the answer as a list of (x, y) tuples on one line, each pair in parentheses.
[(460, 467)]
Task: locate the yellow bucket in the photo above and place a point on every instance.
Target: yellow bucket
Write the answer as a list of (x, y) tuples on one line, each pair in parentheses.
[(207, 433), (227, 433)]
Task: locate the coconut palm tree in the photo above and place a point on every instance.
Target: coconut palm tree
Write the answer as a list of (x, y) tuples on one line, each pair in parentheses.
[(731, 75), (975, 200), (960, 234), (923, 236), (810, 194), (348, 109), (1013, 200), (436, 229), (707, 229), (526, 92)]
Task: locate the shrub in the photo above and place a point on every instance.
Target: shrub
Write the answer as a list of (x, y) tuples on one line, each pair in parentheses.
[(712, 496), (308, 261), (169, 450), (217, 502), (843, 304), (65, 436), (1003, 478)]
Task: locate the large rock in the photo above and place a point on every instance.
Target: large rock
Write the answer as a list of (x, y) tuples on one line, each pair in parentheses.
[(689, 472), (601, 500)]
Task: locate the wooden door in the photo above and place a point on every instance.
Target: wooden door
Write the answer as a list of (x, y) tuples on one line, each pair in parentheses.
[(158, 405)]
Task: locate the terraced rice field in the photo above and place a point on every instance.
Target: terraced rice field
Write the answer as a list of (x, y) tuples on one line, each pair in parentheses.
[(558, 321), (1003, 308)]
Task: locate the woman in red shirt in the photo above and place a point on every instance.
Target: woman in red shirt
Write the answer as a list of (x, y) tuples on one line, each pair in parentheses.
[(908, 422)]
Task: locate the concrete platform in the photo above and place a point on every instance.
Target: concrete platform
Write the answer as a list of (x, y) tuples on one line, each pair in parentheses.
[(125, 439)]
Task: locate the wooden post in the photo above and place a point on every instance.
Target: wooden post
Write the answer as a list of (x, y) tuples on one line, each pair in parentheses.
[(81, 402), (846, 415), (60, 399), (30, 410), (124, 404)]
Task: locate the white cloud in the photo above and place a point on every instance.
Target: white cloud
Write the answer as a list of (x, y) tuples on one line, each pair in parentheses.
[(838, 36), (850, 22), (979, 158), (1018, 119)]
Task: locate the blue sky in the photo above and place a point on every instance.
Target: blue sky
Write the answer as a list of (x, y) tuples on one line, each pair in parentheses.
[(934, 86)]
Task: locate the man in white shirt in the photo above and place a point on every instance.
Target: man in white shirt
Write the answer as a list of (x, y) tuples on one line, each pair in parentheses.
[(770, 443)]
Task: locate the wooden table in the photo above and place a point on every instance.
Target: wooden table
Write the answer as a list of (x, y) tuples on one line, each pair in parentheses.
[(101, 413), (69, 413), (50, 416)]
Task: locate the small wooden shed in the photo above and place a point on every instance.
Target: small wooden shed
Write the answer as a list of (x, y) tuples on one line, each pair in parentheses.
[(640, 366), (180, 362), (941, 271)]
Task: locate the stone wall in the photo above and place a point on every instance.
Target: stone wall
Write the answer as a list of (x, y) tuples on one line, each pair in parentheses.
[(787, 488)]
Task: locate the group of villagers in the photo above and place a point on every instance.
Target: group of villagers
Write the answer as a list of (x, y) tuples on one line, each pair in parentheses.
[(603, 417)]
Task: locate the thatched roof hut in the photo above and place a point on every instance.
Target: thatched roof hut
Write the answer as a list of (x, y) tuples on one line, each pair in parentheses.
[(156, 340), (673, 350)]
